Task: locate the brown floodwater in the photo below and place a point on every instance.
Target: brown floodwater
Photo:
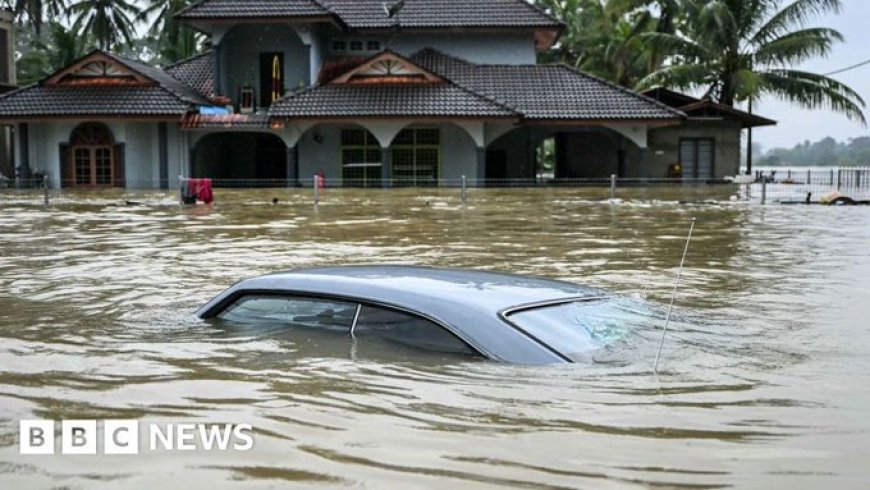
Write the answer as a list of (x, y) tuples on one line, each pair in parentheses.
[(765, 376)]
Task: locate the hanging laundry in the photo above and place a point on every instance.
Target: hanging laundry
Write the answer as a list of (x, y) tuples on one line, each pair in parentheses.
[(198, 189)]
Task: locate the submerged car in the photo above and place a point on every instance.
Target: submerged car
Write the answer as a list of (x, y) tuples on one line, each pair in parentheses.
[(505, 317)]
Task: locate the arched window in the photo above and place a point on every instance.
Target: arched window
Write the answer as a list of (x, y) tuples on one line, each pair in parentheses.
[(91, 157)]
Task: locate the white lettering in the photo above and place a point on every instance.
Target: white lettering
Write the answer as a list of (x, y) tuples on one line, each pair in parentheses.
[(185, 437), (164, 437), (246, 433), (209, 434)]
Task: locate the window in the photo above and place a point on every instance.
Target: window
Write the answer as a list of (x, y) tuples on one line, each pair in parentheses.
[(369, 324), (360, 158), (304, 312), (406, 329), (416, 157), (696, 157), (271, 78), (578, 327), (356, 46), (92, 156)]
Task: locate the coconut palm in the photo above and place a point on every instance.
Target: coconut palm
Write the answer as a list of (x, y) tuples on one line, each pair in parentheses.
[(738, 50), (174, 40), (109, 21), (49, 53), (602, 37), (33, 12)]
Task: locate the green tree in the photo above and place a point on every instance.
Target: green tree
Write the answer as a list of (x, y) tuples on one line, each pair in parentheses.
[(33, 12), (173, 40), (604, 37), (44, 54), (108, 21), (739, 50)]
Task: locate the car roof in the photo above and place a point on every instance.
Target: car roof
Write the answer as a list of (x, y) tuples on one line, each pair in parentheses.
[(468, 301)]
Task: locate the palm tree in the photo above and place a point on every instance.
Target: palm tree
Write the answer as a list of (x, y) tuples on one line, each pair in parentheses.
[(174, 41), (739, 50), (109, 21), (602, 37), (34, 11), (45, 56)]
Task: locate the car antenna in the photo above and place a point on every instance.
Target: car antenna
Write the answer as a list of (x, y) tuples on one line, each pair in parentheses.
[(673, 295)]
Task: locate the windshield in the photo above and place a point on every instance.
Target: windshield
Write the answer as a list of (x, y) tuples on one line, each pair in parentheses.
[(575, 329)]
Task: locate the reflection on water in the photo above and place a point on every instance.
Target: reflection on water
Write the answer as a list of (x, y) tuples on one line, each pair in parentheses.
[(765, 375)]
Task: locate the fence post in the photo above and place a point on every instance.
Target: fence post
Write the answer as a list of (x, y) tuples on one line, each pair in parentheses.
[(613, 186), (839, 177), (832, 177), (45, 188), (763, 190), (316, 189), (181, 190), (808, 176), (464, 190)]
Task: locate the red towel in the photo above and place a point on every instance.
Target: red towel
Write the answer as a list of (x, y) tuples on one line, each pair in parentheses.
[(201, 188)]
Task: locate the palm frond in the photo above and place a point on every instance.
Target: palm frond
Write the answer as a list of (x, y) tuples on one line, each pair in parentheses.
[(793, 15), (814, 91), (679, 76), (798, 46)]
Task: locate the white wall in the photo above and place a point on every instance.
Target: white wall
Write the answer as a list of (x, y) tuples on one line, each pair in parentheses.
[(141, 149), (509, 48), (458, 152)]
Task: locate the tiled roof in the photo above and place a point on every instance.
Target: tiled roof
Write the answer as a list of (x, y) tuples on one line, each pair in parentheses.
[(400, 100), (164, 80), (168, 96), (218, 9), (547, 91), (196, 72), (38, 101), (369, 14), (362, 14)]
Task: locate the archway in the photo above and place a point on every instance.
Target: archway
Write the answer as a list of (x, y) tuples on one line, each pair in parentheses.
[(241, 159), (550, 154), (92, 158)]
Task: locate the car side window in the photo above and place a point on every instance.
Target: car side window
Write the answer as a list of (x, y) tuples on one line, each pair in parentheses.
[(407, 329), (305, 312)]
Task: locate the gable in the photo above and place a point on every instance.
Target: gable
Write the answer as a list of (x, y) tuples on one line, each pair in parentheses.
[(388, 68), (97, 69)]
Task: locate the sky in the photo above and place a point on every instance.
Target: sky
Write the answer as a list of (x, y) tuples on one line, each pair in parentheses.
[(797, 124)]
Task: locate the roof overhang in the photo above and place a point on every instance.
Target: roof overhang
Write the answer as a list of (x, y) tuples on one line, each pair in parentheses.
[(217, 24), (652, 123), (102, 117)]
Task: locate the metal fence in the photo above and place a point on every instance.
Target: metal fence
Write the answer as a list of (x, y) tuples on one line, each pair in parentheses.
[(812, 185), (768, 187)]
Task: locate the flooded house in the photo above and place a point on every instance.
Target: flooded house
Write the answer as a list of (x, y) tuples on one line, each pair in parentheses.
[(416, 93)]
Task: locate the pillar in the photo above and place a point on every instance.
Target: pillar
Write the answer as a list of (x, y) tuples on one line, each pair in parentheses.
[(292, 166), (644, 164), (386, 168), (481, 167), (163, 154), (23, 170)]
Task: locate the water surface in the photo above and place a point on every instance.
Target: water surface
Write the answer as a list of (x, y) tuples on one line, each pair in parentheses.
[(765, 382)]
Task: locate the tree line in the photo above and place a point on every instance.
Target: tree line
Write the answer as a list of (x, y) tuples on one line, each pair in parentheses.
[(729, 51), (825, 152), (53, 33)]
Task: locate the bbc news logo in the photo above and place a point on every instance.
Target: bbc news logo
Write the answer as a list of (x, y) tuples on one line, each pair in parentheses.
[(123, 437)]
